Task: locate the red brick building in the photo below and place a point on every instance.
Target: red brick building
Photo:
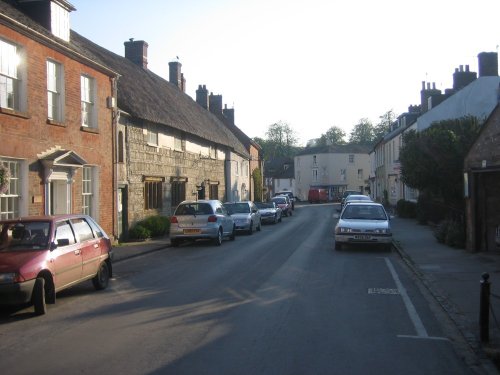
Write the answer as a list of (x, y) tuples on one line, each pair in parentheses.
[(482, 187), (56, 117)]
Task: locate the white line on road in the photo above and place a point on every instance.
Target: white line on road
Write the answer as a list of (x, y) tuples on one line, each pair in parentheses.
[(412, 312)]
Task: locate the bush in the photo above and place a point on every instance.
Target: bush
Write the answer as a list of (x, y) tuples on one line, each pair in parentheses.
[(157, 225), (406, 209), (429, 210), (138, 232), (451, 233), (153, 226)]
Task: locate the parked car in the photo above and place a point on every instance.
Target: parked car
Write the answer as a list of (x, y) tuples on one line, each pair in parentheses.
[(356, 198), (42, 255), (317, 195), (269, 212), (283, 202), (245, 214), (346, 193), (202, 219), (363, 223), (289, 194)]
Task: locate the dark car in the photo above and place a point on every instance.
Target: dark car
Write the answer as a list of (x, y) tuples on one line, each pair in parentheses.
[(42, 255)]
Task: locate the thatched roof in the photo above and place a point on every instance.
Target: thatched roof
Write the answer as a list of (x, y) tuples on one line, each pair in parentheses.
[(147, 96)]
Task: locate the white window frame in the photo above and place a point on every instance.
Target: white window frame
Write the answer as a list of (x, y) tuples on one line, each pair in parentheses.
[(55, 91), (88, 107), (315, 174), (10, 86), (10, 201), (351, 158), (59, 21), (152, 137), (343, 174)]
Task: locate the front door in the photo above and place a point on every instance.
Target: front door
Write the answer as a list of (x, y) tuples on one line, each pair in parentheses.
[(59, 197)]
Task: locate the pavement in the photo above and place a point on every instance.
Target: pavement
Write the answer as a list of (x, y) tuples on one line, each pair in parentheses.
[(450, 276)]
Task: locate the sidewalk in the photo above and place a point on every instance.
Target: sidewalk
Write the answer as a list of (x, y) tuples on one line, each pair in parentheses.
[(128, 250), (453, 277)]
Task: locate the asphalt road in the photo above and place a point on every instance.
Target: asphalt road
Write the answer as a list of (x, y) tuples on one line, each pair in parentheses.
[(280, 301)]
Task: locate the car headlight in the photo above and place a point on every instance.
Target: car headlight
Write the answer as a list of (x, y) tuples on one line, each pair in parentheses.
[(8, 278), (340, 230), (383, 231)]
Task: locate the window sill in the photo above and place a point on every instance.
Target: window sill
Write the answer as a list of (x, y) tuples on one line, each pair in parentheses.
[(13, 112), (89, 130), (55, 123)]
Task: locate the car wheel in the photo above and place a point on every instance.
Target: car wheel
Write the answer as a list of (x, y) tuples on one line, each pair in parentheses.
[(338, 246), (38, 297), (218, 239), (279, 221), (259, 227), (275, 219), (101, 280), (291, 213), (233, 233), (250, 230)]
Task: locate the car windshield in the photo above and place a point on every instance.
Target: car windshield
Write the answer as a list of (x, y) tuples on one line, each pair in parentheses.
[(237, 208), (364, 212), (26, 235), (194, 208), (263, 205)]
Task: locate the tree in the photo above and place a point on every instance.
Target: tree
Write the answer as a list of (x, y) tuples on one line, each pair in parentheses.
[(280, 141), (257, 183), (432, 160), (363, 133), (333, 136), (384, 126)]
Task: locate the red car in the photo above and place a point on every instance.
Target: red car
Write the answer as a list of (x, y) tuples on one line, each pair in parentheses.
[(283, 202), (42, 255)]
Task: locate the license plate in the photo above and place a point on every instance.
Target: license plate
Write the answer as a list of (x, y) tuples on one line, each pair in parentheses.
[(192, 231), (362, 237)]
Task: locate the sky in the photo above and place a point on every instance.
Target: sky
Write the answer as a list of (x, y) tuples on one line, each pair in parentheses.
[(311, 64)]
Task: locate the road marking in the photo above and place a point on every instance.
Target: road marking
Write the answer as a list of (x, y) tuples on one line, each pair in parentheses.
[(423, 338), (412, 312), (382, 291)]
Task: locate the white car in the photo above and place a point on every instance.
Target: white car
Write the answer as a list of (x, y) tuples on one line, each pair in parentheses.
[(363, 223), (245, 214), (202, 219)]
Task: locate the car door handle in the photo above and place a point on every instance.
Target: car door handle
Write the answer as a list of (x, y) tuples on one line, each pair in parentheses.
[(96, 245), (77, 252)]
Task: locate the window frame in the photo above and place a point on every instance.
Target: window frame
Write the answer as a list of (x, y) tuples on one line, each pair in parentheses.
[(56, 91), (88, 101)]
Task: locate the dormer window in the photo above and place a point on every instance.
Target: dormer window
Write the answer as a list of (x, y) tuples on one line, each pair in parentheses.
[(59, 21)]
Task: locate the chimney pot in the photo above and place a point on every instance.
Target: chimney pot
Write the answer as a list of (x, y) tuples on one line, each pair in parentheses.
[(175, 75)]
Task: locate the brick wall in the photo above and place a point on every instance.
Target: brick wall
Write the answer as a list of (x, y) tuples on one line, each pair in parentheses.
[(29, 133)]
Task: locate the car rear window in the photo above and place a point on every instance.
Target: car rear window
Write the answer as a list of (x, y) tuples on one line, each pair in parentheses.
[(194, 209), (279, 199), (82, 229), (29, 235), (237, 208)]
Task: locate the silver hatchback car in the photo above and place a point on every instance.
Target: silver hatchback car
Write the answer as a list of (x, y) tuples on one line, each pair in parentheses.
[(363, 223), (202, 219), (245, 214)]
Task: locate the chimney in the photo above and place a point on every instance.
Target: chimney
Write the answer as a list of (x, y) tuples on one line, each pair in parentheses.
[(488, 64), (202, 96), (229, 114), (215, 104), (137, 52), (462, 78), (175, 75)]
